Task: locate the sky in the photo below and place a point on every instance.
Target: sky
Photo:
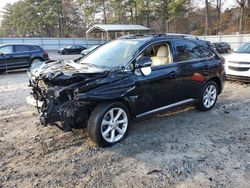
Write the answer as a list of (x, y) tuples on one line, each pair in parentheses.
[(2, 4)]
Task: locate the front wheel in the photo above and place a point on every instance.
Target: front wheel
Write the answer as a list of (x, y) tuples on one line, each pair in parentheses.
[(208, 96), (108, 124)]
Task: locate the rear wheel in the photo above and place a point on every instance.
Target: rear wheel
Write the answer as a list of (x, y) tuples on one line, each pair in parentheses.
[(108, 124), (208, 96)]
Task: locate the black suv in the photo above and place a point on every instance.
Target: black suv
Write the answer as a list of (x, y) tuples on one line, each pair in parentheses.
[(222, 47), (15, 56), (127, 78), (73, 49)]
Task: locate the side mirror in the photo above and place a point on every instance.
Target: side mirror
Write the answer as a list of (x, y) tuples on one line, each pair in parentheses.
[(2, 54), (144, 65)]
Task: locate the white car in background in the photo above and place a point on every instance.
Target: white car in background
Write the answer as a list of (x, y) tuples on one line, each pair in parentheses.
[(238, 64)]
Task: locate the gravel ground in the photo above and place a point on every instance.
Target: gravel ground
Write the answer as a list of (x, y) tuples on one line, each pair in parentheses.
[(181, 148)]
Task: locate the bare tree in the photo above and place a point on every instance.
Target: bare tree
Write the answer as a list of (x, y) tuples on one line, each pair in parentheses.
[(242, 4)]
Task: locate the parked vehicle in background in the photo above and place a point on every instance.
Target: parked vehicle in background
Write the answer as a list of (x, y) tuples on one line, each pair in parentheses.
[(86, 51), (125, 79), (238, 64), (16, 56), (72, 49), (222, 47)]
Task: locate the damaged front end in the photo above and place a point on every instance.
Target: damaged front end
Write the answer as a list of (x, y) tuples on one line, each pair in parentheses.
[(54, 86)]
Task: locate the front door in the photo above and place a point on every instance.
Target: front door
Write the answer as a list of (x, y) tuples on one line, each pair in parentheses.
[(6, 57), (161, 87)]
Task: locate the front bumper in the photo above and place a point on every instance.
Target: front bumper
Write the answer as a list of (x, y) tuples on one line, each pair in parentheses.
[(237, 71)]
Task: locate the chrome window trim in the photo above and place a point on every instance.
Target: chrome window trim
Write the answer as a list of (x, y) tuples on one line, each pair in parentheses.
[(168, 40)]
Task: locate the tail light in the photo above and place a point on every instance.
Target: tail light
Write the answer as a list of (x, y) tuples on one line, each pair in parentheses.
[(46, 54)]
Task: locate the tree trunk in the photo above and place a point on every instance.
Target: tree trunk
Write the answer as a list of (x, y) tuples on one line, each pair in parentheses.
[(242, 4), (218, 7), (147, 13), (104, 12), (207, 18), (241, 25), (165, 28)]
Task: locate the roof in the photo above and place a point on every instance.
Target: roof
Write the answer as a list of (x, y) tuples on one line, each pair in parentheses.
[(116, 28)]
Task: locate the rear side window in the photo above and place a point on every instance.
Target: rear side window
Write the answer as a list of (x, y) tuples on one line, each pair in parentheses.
[(34, 48), (6, 49), (22, 48), (186, 51)]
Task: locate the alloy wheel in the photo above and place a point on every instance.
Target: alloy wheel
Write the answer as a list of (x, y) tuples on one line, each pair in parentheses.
[(209, 96), (114, 125)]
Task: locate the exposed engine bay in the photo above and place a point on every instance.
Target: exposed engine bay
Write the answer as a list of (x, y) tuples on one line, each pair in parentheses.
[(53, 85), (65, 92)]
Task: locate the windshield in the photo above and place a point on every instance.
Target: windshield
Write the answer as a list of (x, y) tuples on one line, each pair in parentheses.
[(245, 48), (112, 54)]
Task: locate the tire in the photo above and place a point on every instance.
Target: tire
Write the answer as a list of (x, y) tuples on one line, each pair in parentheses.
[(208, 96), (103, 129)]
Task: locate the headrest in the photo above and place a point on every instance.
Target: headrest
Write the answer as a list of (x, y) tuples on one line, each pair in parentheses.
[(162, 52)]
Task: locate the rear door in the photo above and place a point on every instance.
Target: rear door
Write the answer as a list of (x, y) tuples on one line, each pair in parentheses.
[(22, 55), (193, 61)]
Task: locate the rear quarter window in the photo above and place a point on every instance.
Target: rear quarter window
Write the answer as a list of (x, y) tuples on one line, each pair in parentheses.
[(34, 48), (187, 51)]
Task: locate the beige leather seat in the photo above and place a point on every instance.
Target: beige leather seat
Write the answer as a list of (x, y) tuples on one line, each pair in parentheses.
[(163, 56)]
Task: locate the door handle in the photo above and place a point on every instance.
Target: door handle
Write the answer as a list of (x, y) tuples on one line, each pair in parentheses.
[(172, 74)]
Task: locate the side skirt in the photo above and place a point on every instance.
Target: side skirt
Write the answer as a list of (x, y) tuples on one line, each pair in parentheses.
[(165, 107)]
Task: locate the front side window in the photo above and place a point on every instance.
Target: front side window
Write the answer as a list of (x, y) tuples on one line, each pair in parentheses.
[(113, 54), (186, 51), (6, 49), (160, 54)]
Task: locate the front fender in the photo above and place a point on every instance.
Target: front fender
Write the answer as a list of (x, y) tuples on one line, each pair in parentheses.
[(112, 91)]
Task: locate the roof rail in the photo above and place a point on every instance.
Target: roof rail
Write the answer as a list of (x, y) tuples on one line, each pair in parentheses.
[(177, 35), (159, 35)]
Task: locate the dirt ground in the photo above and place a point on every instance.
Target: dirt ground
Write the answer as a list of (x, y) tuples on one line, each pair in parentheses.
[(182, 148)]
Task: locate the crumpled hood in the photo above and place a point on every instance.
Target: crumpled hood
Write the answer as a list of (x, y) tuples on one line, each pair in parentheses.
[(64, 73), (66, 67)]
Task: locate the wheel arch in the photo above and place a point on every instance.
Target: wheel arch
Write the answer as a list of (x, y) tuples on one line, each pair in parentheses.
[(218, 82), (124, 102), (36, 57)]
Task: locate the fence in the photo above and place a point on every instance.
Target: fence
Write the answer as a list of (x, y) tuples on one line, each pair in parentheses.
[(234, 40), (52, 43)]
